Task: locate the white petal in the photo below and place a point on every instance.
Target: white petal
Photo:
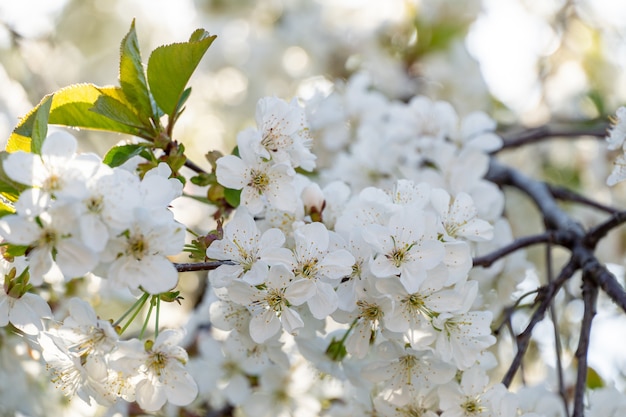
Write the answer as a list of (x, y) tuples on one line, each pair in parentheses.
[(182, 390), (291, 320), (18, 230), (231, 172), (263, 326), (300, 291), (158, 275), (74, 259), (324, 302), (148, 396)]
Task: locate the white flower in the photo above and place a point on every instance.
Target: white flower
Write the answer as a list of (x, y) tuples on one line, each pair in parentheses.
[(472, 397), (404, 248), (53, 231), (619, 171), (284, 392), (270, 303), (477, 131), (57, 171), (139, 255), (461, 338), (284, 133), (86, 376), (24, 312), (244, 245), (258, 179), (617, 133), (405, 372), (108, 208), (157, 371), (459, 217), (312, 259)]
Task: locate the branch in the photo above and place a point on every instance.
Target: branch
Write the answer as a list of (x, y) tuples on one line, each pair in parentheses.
[(547, 131), (194, 167), (201, 266), (599, 231), (565, 194), (487, 260), (590, 296), (546, 296), (568, 233)]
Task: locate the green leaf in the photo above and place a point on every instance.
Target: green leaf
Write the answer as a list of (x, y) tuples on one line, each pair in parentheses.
[(70, 107), (9, 189), (5, 209), (171, 66), (116, 110), (133, 78), (232, 197), (40, 124), (120, 154), (594, 380), (15, 250)]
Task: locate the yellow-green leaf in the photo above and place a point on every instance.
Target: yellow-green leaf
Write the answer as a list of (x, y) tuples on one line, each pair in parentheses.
[(70, 107)]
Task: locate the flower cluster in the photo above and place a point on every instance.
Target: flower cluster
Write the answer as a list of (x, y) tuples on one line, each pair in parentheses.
[(364, 275), (76, 216)]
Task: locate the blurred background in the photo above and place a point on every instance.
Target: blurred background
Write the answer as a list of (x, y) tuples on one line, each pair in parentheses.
[(524, 61)]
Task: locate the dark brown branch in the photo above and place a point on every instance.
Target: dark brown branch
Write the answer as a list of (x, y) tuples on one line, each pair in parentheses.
[(519, 243), (538, 134), (599, 231), (565, 194), (590, 296), (194, 167), (544, 297), (568, 233), (201, 266), (557, 336)]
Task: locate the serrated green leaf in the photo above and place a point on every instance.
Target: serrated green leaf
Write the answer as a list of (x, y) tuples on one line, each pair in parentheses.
[(171, 66), (120, 154), (70, 107), (40, 124), (132, 76), (232, 197), (116, 110)]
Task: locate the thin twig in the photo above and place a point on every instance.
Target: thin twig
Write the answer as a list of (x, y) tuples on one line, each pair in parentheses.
[(557, 335), (538, 134), (201, 266), (519, 243), (545, 297), (564, 194), (590, 296), (598, 232), (194, 167)]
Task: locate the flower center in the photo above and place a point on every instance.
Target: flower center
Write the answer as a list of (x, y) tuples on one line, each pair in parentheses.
[(137, 247), (308, 269), (370, 311), (52, 183), (49, 237), (95, 204), (157, 363), (275, 299), (472, 406), (259, 181)]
